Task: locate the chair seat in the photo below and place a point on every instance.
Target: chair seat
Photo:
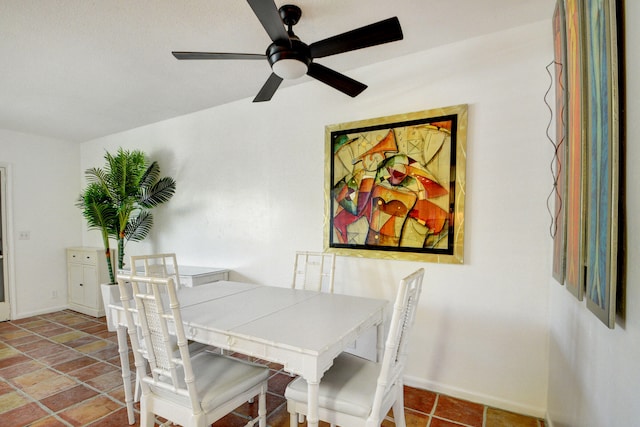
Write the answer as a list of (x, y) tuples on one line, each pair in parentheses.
[(347, 387), (219, 378)]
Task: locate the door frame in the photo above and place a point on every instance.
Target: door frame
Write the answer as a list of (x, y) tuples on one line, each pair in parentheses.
[(7, 236)]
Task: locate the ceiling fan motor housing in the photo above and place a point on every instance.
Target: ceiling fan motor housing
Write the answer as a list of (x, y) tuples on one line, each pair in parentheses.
[(289, 62)]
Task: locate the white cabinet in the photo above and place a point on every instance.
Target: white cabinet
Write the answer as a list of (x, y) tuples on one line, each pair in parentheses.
[(86, 270)]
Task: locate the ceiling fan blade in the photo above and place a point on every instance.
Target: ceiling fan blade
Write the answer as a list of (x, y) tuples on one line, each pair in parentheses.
[(269, 88), (269, 17), (217, 55), (385, 31), (336, 80)]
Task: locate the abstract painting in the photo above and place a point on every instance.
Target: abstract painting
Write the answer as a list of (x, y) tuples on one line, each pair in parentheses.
[(601, 68), (594, 47), (395, 186), (559, 165), (576, 200)]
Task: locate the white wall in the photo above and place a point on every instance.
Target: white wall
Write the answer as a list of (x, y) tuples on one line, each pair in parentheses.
[(594, 377), (250, 192), (43, 185)]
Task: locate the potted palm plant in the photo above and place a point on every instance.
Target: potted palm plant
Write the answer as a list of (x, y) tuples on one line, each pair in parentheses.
[(118, 200)]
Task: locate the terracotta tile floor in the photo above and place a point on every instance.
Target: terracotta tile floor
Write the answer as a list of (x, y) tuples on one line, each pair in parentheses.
[(63, 369)]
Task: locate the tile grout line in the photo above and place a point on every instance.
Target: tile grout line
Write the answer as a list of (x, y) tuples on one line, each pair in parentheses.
[(433, 410), (49, 411), (26, 395), (31, 399), (434, 416), (64, 344)]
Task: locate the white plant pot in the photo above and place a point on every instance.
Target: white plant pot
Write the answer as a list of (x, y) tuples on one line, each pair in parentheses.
[(110, 294)]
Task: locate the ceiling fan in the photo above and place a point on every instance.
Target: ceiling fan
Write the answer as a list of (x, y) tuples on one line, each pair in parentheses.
[(291, 58)]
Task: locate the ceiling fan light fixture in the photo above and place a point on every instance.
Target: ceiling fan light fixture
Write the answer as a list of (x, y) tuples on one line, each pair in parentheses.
[(290, 68)]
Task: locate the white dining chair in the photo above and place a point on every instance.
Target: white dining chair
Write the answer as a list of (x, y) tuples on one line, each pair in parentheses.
[(357, 392), (160, 265), (184, 389), (314, 271)]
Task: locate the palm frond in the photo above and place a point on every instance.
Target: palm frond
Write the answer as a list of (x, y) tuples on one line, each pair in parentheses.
[(96, 207), (100, 216), (159, 193), (99, 177), (150, 176), (95, 175), (124, 172), (138, 228)]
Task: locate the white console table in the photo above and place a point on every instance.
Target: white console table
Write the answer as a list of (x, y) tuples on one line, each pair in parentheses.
[(193, 276)]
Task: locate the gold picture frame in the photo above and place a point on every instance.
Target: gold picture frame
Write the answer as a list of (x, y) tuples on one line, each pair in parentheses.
[(395, 186)]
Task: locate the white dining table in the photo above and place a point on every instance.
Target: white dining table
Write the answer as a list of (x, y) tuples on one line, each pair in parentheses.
[(301, 330)]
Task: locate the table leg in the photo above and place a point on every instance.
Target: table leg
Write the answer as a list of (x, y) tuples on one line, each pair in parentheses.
[(312, 403), (380, 342), (123, 349)]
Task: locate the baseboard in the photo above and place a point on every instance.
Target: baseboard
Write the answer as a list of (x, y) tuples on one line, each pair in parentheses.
[(47, 310), (484, 399)]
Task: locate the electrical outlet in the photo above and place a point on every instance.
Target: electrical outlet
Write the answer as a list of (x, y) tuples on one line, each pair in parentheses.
[(54, 294), (24, 235)]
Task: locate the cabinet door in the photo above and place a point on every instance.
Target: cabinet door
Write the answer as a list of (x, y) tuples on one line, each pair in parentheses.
[(76, 292), (90, 285)]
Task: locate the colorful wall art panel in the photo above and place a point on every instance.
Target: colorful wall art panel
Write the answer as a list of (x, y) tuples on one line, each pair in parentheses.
[(395, 186)]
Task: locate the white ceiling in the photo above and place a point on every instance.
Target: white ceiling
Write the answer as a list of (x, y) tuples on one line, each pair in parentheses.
[(80, 69)]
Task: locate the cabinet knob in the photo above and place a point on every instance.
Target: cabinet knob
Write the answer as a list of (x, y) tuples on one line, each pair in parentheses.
[(81, 284)]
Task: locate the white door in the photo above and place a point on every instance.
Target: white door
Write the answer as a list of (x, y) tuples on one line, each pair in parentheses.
[(5, 312)]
